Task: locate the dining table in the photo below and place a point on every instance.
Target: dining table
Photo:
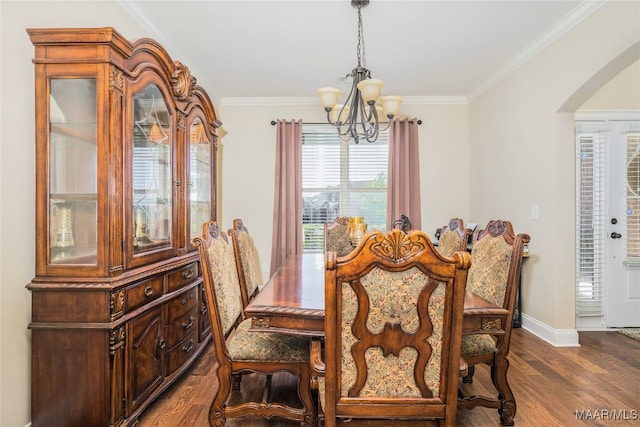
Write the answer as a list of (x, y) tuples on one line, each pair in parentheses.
[(292, 301)]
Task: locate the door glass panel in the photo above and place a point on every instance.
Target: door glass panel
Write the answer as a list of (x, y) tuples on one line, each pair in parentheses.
[(633, 199), (199, 178), (152, 171), (73, 171)]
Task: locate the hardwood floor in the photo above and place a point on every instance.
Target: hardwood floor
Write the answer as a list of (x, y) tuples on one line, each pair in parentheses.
[(550, 384)]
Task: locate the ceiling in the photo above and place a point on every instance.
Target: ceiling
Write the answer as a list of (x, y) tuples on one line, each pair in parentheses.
[(245, 51)]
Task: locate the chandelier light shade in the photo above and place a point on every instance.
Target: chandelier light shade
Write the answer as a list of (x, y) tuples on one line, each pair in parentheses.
[(360, 116)]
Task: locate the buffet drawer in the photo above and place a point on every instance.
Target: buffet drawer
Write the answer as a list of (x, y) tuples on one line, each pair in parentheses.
[(179, 329), (182, 276), (181, 353), (182, 304), (144, 292)]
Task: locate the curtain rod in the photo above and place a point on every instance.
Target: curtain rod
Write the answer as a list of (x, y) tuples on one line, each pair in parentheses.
[(273, 123)]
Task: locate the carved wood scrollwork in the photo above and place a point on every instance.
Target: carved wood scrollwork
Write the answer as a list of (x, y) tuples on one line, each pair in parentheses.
[(116, 339), (116, 79), (181, 119), (497, 227), (182, 81), (260, 322), (491, 324), (116, 304), (453, 224), (397, 245)]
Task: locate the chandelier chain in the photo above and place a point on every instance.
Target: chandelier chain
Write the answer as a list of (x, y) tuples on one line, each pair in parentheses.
[(360, 50)]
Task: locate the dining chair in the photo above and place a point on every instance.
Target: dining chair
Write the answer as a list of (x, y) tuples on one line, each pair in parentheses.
[(239, 350), (494, 274), (453, 237), (393, 327), (336, 236), (247, 261)]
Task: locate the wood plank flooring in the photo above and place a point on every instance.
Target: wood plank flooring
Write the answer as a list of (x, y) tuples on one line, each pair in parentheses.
[(550, 385)]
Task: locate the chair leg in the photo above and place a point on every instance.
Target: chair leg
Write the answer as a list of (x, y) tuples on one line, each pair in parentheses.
[(505, 394), (217, 415), (310, 418), (468, 379), (237, 379)]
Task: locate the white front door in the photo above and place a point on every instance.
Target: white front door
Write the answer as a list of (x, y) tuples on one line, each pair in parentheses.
[(623, 225)]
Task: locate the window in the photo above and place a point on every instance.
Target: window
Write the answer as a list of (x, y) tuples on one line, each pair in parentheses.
[(590, 221), (341, 179)]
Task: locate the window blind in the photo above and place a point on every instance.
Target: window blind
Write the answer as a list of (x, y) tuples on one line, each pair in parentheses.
[(341, 179), (590, 221)]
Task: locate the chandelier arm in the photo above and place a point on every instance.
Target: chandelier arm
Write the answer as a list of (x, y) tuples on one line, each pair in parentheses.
[(387, 126)]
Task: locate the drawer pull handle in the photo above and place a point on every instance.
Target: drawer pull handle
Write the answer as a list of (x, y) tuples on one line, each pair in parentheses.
[(148, 291), (162, 344), (187, 274), (184, 301), (186, 325), (188, 348), (203, 310)]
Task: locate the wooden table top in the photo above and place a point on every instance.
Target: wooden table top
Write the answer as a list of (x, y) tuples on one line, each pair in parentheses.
[(292, 301)]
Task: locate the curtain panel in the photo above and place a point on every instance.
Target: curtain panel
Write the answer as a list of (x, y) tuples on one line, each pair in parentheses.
[(287, 206), (403, 195)]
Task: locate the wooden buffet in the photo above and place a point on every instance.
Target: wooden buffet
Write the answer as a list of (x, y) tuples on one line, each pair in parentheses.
[(126, 175)]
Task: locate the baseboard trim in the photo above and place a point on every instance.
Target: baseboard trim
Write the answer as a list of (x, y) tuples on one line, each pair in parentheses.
[(555, 337)]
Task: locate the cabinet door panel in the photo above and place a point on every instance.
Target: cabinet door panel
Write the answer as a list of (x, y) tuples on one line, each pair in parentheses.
[(145, 348), (200, 169), (151, 177)]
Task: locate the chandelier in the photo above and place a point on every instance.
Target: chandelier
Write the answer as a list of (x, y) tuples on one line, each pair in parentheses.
[(359, 117)]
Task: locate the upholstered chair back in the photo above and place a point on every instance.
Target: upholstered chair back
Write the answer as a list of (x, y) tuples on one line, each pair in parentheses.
[(247, 261), (492, 254), (393, 329), (336, 237), (453, 237), (223, 276)]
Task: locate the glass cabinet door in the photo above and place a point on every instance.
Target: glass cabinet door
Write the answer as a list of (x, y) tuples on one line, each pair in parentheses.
[(152, 168), (73, 171), (199, 166)]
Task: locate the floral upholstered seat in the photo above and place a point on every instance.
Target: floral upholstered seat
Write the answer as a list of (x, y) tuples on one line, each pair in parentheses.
[(239, 350), (393, 326), (496, 262)]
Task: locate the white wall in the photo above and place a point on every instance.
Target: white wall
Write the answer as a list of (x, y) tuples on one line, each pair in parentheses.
[(17, 180), (248, 164), (522, 152)]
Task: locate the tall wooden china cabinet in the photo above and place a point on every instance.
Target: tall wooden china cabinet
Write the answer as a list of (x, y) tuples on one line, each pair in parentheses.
[(126, 175)]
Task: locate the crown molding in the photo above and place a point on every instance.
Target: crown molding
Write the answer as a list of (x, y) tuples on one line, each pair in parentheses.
[(274, 101), (576, 16)]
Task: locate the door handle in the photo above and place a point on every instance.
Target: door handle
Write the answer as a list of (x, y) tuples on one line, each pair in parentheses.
[(615, 235)]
